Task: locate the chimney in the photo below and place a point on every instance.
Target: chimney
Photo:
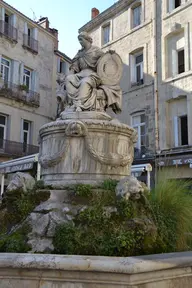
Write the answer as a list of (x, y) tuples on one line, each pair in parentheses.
[(56, 34), (44, 22), (94, 13)]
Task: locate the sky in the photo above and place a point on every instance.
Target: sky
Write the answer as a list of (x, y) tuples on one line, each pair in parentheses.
[(67, 16)]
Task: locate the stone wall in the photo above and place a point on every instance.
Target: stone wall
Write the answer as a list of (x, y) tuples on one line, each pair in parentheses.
[(126, 40), (55, 271)]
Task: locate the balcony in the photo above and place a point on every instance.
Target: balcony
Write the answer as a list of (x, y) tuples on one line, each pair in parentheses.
[(8, 31), (17, 149), (30, 44), (15, 92)]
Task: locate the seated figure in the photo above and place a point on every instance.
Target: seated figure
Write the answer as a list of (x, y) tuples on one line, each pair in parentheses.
[(85, 89)]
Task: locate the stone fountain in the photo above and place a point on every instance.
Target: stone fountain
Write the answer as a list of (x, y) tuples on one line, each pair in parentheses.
[(84, 144)]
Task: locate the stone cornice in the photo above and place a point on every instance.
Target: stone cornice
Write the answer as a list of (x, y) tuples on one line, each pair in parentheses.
[(105, 15)]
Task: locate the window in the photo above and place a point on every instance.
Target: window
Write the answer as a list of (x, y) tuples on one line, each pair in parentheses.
[(184, 129), (136, 16), (27, 78), (138, 123), (181, 130), (62, 66), (175, 55), (137, 69), (5, 69), (181, 61), (173, 4), (26, 134), (3, 130), (106, 34), (177, 3)]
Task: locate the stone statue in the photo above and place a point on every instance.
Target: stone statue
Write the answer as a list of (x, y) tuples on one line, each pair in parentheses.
[(85, 144), (93, 82)]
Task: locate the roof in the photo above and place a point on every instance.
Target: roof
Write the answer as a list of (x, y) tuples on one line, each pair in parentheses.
[(2, 2), (59, 53), (105, 15)]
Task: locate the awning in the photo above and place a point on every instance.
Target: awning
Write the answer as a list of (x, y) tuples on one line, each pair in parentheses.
[(19, 164)]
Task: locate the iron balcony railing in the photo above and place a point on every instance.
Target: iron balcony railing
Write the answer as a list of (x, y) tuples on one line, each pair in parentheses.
[(30, 43), (17, 149), (13, 91), (8, 30)]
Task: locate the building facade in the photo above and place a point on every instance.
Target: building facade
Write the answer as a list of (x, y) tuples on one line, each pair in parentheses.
[(174, 50), (154, 41), (27, 81), (127, 28)]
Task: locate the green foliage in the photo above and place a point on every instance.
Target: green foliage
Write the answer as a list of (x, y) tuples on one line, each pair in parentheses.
[(109, 184), (171, 205), (104, 228), (83, 190)]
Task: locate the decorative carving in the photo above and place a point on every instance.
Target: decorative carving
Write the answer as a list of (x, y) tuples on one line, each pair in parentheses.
[(47, 161), (93, 82), (76, 129), (79, 129)]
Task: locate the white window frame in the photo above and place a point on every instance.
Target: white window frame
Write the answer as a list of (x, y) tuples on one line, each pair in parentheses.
[(5, 130), (138, 128), (133, 8), (104, 26), (177, 130), (134, 68), (25, 76), (6, 66), (28, 131), (171, 5), (4, 126)]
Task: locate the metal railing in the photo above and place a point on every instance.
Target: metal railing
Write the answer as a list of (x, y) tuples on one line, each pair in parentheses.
[(13, 91), (30, 43), (8, 30), (17, 148)]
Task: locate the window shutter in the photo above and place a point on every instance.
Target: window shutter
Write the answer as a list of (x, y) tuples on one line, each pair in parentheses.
[(13, 20), (35, 81), (2, 13), (21, 71), (171, 5), (176, 131), (35, 33), (132, 69), (25, 28), (58, 64), (174, 63), (21, 136), (15, 72)]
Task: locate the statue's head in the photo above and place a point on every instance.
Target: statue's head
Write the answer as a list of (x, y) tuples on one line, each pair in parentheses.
[(85, 39)]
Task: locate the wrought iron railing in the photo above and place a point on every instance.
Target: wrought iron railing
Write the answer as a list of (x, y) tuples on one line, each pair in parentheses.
[(30, 43), (17, 149), (13, 91), (8, 30)]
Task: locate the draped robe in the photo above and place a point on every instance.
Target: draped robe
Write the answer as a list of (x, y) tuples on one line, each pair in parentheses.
[(83, 84)]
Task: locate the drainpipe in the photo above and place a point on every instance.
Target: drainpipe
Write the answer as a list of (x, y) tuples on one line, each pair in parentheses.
[(156, 108)]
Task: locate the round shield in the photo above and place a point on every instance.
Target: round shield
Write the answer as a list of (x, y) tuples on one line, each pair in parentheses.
[(110, 68)]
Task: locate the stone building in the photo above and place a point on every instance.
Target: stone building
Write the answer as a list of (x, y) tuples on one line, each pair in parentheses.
[(28, 56), (127, 28), (174, 70)]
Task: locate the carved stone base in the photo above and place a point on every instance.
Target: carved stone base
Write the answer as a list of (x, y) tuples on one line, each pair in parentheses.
[(83, 150)]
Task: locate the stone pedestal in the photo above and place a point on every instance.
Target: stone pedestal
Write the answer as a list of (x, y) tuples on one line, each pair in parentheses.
[(85, 147)]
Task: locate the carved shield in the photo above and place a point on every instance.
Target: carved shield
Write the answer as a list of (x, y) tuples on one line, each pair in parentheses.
[(110, 68)]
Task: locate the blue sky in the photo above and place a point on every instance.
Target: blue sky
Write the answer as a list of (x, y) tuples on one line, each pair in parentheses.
[(65, 15)]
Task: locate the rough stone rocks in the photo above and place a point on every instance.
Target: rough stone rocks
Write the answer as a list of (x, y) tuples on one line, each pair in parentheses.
[(129, 188), (21, 180)]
